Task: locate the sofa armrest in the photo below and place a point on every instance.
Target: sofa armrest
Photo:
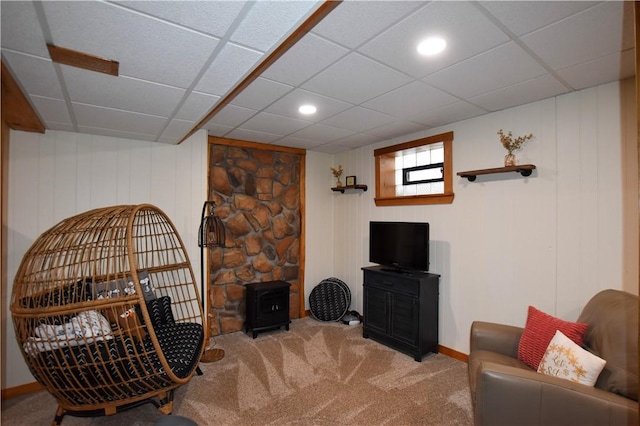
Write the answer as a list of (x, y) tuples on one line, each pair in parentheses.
[(507, 395), (500, 338)]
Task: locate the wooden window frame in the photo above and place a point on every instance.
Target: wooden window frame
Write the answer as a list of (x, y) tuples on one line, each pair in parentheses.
[(386, 173)]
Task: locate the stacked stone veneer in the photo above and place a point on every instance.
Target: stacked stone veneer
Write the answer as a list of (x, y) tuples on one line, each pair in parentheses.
[(257, 196)]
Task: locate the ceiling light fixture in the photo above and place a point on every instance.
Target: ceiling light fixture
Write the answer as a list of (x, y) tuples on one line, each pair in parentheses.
[(307, 109), (431, 46)]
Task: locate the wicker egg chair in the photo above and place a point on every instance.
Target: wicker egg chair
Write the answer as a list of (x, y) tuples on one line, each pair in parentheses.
[(107, 313)]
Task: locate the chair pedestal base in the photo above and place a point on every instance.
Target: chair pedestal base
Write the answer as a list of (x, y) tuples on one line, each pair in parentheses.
[(212, 355)]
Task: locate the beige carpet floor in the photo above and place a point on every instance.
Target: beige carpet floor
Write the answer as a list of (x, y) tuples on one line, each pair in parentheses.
[(317, 373)]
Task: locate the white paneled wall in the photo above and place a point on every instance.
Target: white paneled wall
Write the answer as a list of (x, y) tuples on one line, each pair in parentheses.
[(59, 174), (551, 240), (319, 221)]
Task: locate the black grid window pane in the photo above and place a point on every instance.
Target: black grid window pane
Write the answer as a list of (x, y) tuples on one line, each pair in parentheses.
[(423, 174)]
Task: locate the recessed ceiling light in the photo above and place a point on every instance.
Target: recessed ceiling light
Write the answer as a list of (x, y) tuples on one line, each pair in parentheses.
[(431, 46), (307, 109)]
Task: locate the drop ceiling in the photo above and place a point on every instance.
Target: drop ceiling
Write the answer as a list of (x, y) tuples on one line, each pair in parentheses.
[(180, 61)]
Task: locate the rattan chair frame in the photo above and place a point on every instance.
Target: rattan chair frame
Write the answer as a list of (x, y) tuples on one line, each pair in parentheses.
[(67, 271)]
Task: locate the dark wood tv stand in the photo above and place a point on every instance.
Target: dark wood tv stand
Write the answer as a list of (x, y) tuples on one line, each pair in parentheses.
[(401, 309)]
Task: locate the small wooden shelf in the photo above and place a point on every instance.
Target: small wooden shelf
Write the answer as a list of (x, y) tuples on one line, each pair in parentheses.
[(523, 169), (343, 188)]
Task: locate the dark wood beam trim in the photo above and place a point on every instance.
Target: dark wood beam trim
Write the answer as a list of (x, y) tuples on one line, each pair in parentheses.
[(636, 20), (17, 112), (300, 32), (255, 145), (73, 58)]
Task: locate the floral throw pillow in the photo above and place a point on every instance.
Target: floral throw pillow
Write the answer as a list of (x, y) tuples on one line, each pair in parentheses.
[(538, 332), (566, 360)]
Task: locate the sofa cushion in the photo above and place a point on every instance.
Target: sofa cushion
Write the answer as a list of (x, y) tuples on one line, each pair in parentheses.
[(566, 360), (538, 332), (612, 316)]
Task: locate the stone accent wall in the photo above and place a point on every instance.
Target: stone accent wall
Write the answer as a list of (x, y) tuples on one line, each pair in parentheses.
[(257, 196)]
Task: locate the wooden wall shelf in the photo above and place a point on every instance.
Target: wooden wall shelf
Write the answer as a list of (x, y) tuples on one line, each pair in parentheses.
[(343, 188), (523, 169)]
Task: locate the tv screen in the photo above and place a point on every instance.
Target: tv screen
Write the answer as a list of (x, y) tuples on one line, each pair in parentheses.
[(399, 245)]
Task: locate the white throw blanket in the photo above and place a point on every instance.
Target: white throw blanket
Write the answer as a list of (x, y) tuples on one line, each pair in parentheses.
[(86, 327)]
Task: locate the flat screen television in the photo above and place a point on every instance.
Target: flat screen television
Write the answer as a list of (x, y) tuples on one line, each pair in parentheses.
[(399, 245)]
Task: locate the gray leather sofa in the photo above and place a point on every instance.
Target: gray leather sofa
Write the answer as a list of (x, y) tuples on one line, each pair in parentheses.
[(505, 391)]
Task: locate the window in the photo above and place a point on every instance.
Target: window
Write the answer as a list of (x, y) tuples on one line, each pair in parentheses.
[(421, 171), (416, 172)]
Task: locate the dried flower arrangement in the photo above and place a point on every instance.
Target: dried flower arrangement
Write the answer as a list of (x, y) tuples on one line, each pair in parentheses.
[(511, 144), (337, 173)]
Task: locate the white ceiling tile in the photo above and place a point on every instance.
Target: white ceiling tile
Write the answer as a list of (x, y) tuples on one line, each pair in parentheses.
[(212, 17), (216, 129), (232, 116), (411, 101), (168, 140), (331, 148), (358, 140), (584, 37), (617, 66), (275, 124), (196, 106), (451, 113), (522, 17), (261, 93), (52, 125), (268, 22), (36, 75), (289, 104), (397, 128), (356, 79), (521, 93), (371, 90), (177, 129), (466, 30), (321, 133), (502, 66), (297, 142), (172, 55), (358, 119), (363, 19), (124, 93), (123, 121), (20, 28), (116, 133), (252, 136), (51, 110), (304, 60), (228, 68)]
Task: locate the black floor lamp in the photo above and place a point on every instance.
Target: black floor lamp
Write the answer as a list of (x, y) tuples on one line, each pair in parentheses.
[(210, 234)]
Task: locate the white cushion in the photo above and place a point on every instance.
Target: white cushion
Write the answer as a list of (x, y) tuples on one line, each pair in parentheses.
[(566, 360)]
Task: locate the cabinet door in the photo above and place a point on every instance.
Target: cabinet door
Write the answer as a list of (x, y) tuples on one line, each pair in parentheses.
[(376, 310), (272, 307), (404, 318)]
